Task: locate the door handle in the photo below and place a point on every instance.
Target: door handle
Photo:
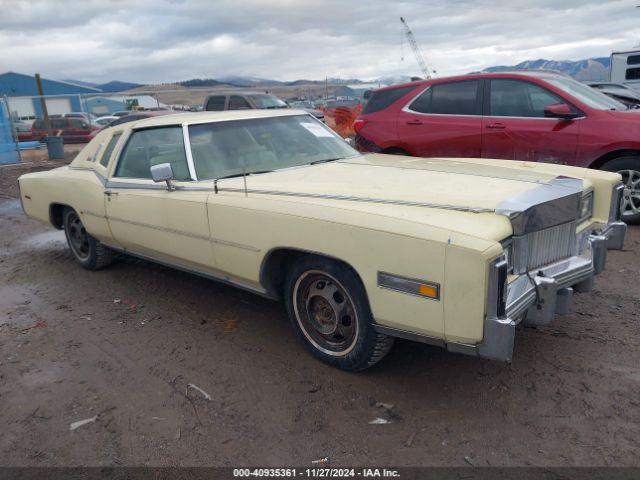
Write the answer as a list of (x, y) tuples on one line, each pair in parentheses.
[(497, 126), (415, 121), (108, 193)]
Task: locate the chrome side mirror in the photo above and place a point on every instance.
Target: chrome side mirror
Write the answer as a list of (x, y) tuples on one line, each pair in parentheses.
[(163, 173)]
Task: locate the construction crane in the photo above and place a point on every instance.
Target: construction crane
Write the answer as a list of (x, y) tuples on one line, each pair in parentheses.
[(416, 49)]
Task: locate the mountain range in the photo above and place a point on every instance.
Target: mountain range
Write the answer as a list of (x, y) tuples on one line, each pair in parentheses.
[(590, 69)]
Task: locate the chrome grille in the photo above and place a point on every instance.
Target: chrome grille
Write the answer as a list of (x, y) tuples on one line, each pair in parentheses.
[(543, 247)]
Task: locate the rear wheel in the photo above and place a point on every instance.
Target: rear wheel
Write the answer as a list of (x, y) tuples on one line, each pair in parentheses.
[(87, 251), (629, 168), (329, 311)]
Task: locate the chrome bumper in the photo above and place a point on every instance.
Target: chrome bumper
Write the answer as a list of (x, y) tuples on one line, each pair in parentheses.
[(537, 297)]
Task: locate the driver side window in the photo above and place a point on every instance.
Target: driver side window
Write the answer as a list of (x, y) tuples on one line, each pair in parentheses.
[(150, 147), (517, 98)]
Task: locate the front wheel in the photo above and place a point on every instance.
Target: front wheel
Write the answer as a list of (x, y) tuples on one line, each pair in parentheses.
[(328, 308), (87, 251), (629, 168)]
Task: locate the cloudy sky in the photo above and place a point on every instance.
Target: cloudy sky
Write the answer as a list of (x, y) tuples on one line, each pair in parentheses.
[(150, 41)]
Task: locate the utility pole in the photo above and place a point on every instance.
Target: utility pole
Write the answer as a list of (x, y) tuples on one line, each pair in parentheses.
[(43, 105)]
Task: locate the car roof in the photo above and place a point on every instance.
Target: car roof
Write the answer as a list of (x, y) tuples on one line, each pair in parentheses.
[(205, 117), (473, 76)]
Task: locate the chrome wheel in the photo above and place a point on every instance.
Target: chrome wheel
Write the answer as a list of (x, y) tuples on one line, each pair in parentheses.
[(77, 236), (631, 195), (325, 313)]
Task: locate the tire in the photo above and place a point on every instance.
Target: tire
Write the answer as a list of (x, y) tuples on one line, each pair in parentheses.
[(329, 311), (86, 250), (629, 168)]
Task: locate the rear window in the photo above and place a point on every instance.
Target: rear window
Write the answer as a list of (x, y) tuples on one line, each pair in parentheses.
[(457, 98), (382, 99), (633, 60), (633, 74)]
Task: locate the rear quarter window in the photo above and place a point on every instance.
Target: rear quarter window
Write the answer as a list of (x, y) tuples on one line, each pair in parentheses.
[(384, 98)]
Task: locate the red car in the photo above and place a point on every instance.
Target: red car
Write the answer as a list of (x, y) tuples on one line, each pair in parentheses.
[(72, 130), (533, 116)]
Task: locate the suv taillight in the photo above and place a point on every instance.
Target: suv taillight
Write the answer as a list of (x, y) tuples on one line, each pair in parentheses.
[(358, 124)]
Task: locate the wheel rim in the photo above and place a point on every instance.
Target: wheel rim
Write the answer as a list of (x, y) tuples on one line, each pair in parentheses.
[(77, 236), (631, 195), (325, 312)]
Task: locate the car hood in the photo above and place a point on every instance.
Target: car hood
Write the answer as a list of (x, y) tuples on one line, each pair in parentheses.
[(451, 193)]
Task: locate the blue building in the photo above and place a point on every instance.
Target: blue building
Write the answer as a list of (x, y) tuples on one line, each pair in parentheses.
[(20, 90)]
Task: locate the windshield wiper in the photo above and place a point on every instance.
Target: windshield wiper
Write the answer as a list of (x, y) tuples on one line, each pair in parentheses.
[(243, 174)]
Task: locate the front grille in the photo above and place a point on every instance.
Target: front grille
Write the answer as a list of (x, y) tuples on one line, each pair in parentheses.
[(544, 247)]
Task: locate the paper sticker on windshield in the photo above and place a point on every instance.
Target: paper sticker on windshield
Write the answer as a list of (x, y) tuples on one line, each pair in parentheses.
[(317, 130)]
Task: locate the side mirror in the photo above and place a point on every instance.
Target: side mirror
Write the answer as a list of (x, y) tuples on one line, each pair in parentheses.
[(560, 110), (163, 173)]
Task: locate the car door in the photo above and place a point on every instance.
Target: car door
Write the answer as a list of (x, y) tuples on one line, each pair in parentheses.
[(515, 126), (78, 130), (148, 219), (444, 120)]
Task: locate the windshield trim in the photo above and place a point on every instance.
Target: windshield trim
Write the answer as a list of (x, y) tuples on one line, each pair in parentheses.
[(305, 115)]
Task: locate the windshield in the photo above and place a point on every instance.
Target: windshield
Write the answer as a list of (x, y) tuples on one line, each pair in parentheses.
[(586, 94), (223, 149), (268, 101)]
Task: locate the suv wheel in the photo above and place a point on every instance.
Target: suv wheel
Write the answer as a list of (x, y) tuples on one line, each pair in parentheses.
[(629, 168), (328, 308), (87, 251)]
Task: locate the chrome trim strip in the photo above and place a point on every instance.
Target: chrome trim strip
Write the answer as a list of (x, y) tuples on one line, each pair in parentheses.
[(92, 214), (416, 337), (234, 244), (615, 212), (101, 178), (211, 276), (159, 228), (187, 150), (359, 199), (548, 205), (406, 285)]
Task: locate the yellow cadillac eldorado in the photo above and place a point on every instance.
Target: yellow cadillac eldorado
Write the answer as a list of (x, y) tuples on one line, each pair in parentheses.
[(361, 248)]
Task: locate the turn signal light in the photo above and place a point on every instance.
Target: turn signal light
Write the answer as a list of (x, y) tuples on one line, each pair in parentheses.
[(428, 291)]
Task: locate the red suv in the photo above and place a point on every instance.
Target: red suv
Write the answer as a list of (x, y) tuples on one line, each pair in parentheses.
[(534, 116), (72, 130)]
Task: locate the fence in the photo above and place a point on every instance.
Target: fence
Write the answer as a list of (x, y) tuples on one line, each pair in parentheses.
[(75, 116), (8, 147)]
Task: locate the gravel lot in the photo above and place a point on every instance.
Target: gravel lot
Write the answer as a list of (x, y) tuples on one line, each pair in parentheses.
[(123, 345)]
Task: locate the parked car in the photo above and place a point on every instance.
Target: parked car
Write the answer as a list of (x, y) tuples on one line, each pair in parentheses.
[(361, 248), (242, 100), (532, 116), (104, 121), (72, 130), (619, 92), (23, 131), (138, 115)]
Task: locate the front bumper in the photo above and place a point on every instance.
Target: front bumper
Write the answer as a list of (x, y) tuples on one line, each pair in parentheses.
[(535, 298)]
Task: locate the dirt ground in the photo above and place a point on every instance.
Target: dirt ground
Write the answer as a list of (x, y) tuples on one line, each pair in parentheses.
[(122, 346)]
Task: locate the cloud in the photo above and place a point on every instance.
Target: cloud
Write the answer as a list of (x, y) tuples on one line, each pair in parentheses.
[(163, 41)]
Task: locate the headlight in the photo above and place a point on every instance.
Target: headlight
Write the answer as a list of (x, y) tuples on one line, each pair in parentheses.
[(586, 207)]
